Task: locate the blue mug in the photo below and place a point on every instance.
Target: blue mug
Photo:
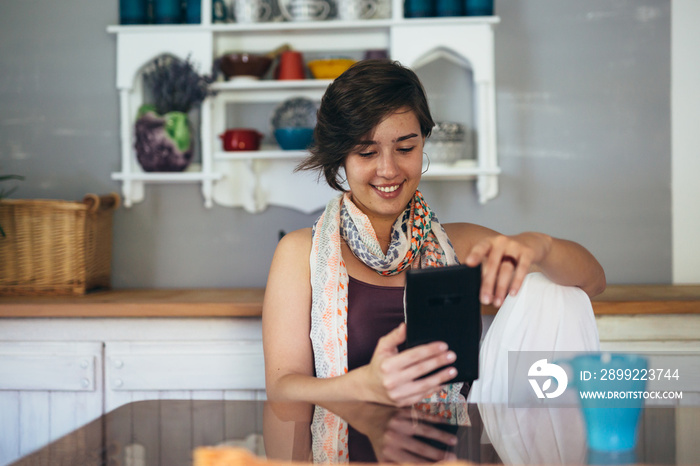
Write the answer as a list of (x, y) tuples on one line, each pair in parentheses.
[(611, 390), (450, 8), (133, 12), (419, 8), (193, 11), (478, 7), (167, 11)]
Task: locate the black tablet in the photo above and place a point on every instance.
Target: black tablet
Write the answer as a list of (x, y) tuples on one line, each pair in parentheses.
[(442, 304)]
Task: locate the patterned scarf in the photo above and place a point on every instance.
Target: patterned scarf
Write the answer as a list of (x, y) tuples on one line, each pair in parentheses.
[(417, 239)]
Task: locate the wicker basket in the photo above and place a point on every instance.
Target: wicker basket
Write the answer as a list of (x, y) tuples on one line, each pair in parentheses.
[(56, 247)]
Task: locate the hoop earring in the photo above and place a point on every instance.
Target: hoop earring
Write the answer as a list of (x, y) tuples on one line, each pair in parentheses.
[(428, 166)]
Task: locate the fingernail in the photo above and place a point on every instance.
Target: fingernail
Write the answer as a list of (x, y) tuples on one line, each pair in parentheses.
[(451, 356), (497, 302), (452, 372), (485, 299), (443, 346)]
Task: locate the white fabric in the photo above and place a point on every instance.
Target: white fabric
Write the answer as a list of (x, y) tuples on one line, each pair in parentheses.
[(538, 435), (543, 316)]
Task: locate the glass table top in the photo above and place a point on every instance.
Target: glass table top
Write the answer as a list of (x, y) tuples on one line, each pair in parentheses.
[(166, 432)]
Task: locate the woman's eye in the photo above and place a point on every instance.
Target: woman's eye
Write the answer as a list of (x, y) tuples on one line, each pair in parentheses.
[(406, 149), (365, 154)]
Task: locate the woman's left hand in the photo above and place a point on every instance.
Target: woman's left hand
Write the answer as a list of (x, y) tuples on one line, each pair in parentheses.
[(505, 261)]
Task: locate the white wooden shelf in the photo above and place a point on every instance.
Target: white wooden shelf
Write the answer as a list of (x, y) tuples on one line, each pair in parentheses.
[(254, 180), (167, 177), (264, 154), (461, 170), (270, 85), (283, 27)]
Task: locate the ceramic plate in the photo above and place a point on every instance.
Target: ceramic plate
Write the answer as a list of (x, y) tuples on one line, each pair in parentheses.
[(297, 112)]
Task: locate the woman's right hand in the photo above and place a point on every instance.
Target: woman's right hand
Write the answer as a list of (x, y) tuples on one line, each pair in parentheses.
[(407, 438), (394, 377)]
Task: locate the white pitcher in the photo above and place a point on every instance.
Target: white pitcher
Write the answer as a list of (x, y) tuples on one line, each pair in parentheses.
[(304, 10)]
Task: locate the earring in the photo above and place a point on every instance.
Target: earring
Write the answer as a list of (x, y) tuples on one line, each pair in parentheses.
[(427, 166)]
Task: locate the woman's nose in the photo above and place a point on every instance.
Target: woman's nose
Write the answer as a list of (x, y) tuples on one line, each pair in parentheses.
[(387, 167)]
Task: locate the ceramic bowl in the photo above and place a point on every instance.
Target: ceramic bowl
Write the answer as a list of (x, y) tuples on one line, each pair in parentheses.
[(329, 68), (241, 139), (294, 138), (244, 65)]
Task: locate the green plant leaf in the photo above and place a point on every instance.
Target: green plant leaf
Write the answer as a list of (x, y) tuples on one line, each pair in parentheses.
[(177, 128)]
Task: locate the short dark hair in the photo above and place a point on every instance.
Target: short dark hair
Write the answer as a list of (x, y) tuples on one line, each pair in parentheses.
[(354, 104)]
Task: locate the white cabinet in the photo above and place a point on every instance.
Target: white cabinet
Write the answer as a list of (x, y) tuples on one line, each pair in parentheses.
[(670, 341), (254, 180), (74, 370), (47, 389), (196, 370)]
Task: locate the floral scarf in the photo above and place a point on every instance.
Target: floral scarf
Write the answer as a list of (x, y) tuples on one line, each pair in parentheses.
[(417, 239)]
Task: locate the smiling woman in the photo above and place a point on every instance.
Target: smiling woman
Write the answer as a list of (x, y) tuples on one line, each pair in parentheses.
[(333, 314), (333, 311)]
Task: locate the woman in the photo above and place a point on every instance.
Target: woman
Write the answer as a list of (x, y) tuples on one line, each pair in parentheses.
[(342, 282)]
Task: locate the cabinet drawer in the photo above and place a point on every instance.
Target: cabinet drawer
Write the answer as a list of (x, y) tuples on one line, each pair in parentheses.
[(49, 366), (185, 366)]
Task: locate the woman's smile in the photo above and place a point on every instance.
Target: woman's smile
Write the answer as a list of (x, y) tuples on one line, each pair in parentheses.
[(389, 189)]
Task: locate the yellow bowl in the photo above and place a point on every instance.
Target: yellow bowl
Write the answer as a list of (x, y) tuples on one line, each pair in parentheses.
[(329, 68)]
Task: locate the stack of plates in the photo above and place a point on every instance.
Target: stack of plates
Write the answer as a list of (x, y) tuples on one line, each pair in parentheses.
[(296, 112)]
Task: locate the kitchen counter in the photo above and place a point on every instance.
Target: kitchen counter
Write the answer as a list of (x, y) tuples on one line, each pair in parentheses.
[(247, 302)]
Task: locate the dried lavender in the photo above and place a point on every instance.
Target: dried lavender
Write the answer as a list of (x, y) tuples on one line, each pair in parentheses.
[(175, 85)]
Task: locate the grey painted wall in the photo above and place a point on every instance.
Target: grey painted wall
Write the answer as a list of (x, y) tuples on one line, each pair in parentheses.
[(583, 98)]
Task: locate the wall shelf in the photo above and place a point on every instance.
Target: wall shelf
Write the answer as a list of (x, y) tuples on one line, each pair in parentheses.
[(189, 177), (280, 27), (263, 154), (269, 85), (254, 180)]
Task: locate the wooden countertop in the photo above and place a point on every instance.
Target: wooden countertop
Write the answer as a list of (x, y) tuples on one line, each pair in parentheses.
[(239, 302), (247, 302)]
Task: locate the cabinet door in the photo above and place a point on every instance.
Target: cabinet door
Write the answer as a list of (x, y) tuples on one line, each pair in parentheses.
[(46, 391), (183, 370)]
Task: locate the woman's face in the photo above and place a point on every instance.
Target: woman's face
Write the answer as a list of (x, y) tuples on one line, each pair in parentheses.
[(384, 170)]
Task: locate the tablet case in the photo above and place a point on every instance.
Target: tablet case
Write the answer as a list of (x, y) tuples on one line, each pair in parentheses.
[(442, 304)]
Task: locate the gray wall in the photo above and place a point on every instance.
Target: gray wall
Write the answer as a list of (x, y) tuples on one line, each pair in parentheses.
[(583, 99)]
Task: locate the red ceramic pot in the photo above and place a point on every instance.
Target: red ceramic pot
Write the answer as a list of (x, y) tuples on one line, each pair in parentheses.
[(241, 139)]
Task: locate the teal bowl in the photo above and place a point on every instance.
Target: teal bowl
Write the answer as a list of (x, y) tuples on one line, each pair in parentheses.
[(294, 138)]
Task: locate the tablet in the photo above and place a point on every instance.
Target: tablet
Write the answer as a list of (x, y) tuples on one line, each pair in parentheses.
[(442, 304)]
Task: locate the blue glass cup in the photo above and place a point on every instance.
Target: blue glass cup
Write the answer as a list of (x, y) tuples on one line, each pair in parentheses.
[(611, 390)]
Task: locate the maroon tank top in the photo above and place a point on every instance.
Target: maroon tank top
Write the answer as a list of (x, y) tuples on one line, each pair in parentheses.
[(373, 311)]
